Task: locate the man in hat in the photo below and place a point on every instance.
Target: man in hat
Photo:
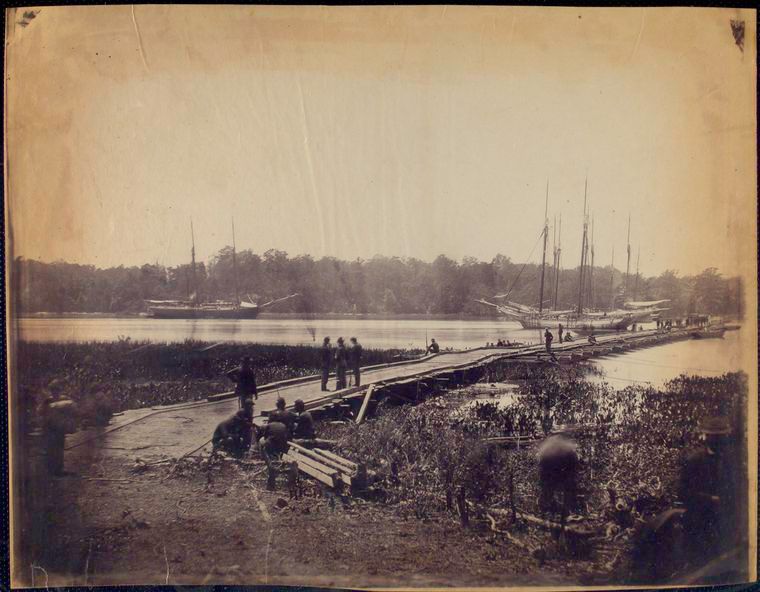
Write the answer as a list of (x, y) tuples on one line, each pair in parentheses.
[(558, 470), (355, 359), (304, 428), (341, 364), (326, 361), (245, 381), (234, 435), (708, 490)]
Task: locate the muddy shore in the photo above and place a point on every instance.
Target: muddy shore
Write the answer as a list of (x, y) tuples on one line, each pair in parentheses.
[(212, 521)]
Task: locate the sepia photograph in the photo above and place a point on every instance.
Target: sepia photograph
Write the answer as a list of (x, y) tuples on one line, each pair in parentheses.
[(381, 296)]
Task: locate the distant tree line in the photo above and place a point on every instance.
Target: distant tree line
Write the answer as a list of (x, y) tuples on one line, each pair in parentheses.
[(385, 285)]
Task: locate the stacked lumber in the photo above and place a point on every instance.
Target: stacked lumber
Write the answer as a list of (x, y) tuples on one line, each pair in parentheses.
[(327, 467)]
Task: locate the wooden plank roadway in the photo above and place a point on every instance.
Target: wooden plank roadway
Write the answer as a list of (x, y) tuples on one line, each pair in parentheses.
[(176, 430)]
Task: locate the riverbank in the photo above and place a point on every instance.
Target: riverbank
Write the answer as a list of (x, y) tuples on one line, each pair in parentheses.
[(212, 521)]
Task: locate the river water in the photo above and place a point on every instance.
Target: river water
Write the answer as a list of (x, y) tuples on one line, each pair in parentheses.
[(705, 357), (374, 333)]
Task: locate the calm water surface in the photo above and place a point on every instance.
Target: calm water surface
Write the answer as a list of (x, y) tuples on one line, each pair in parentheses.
[(373, 333), (657, 365), (705, 357)]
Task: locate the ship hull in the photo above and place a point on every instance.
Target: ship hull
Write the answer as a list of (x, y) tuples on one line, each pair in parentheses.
[(202, 313), (580, 325)]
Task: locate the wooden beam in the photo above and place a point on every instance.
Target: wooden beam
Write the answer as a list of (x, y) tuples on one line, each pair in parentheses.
[(313, 463), (316, 457), (365, 404), (352, 466), (312, 472)]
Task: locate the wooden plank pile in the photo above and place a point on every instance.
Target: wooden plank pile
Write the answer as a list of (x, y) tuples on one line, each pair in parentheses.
[(327, 467)]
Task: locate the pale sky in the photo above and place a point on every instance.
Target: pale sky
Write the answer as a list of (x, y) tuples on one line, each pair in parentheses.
[(397, 131)]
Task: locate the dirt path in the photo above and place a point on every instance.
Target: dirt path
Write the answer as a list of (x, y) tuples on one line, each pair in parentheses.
[(110, 525)]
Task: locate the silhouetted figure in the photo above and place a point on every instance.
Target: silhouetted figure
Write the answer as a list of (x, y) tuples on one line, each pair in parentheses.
[(355, 358), (282, 415), (433, 348), (548, 338), (708, 486), (341, 364), (560, 330), (234, 435), (244, 378), (326, 361), (273, 443), (58, 419), (558, 468), (304, 428)]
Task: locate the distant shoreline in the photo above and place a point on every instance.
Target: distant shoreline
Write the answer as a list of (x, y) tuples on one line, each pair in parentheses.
[(275, 315)]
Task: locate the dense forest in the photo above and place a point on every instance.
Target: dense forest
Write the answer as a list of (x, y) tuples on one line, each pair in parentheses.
[(386, 285)]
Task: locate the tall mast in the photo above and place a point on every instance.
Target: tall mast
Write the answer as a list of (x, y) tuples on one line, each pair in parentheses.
[(234, 264), (554, 263), (636, 281), (192, 253), (543, 262), (559, 261), (591, 268), (584, 246), (628, 264), (612, 280)]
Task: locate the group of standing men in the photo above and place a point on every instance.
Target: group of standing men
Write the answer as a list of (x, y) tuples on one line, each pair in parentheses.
[(344, 358)]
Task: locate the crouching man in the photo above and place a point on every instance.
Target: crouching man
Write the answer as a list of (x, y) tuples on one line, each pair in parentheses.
[(234, 435), (273, 443), (558, 464)]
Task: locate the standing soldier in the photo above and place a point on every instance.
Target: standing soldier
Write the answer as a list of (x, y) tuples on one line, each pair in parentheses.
[(560, 330), (708, 488), (548, 338), (245, 381), (326, 362), (355, 357), (341, 363)]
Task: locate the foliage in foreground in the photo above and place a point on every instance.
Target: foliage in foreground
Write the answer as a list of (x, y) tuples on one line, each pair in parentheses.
[(631, 443)]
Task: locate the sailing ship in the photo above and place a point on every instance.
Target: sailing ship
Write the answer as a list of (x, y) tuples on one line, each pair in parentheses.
[(192, 308), (580, 319)]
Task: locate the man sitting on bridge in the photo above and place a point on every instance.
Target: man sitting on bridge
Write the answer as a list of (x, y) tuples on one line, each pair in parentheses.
[(234, 435), (433, 348), (304, 428), (282, 415)]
